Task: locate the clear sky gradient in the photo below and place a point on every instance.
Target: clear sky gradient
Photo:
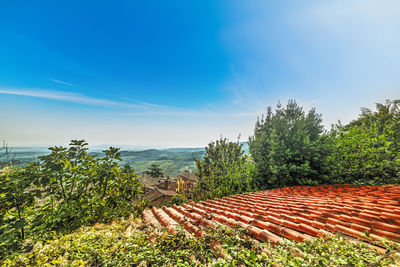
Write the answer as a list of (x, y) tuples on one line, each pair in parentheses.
[(182, 73)]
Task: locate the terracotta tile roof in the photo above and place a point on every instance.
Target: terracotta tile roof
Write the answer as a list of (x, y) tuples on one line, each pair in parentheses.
[(297, 213), (170, 193), (157, 193)]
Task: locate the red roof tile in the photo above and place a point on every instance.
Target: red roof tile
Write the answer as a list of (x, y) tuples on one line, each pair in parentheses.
[(298, 213)]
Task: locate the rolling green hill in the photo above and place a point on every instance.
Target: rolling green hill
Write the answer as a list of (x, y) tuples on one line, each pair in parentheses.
[(171, 160)]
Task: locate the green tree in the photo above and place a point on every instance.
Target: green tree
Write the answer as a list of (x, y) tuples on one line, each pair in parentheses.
[(154, 171), (367, 150), (225, 170), (289, 148)]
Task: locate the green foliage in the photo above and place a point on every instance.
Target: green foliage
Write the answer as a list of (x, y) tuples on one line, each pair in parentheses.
[(368, 148), (177, 200), (16, 197), (114, 245), (225, 170), (171, 161), (154, 171), (82, 189), (68, 188), (290, 148)]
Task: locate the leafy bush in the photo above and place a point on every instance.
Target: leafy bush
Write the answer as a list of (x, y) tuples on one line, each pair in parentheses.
[(368, 148), (67, 189), (82, 189), (225, 170), (16, 200), (177, 200), (129, 243)]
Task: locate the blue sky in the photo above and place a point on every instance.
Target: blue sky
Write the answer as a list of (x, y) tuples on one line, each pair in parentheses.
[(182, 73)]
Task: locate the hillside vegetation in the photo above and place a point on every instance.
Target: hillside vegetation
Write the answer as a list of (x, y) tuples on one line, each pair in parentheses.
[(172, 161)]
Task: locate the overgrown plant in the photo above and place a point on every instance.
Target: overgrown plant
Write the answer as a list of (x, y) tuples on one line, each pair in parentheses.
[(132, 244), (290, 147), (225, 170), (177, 200), (16, 200), (64, 190), (84, 189), (367, 150)]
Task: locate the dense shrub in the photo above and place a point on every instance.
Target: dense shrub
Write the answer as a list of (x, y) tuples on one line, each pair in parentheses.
[(225, 170), (84, 189), (289, 148), (177, 200), (367, 150), (16, 201), (64, 190)]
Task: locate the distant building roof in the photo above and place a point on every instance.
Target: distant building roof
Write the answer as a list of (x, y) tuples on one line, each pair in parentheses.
[(157, 193), (167, 192)]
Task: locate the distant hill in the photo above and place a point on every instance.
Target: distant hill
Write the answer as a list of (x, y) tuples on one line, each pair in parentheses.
[(21, 155), (171, 160)]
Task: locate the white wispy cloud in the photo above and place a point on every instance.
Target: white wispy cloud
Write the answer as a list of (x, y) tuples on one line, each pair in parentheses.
[(194, 114), (138, 108), (61, 82), (141, 102), (67, 97)]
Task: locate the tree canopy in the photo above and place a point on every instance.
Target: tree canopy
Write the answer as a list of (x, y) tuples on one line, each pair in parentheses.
[(154, 171), (224, 170), (367, 150), (289, 147)]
